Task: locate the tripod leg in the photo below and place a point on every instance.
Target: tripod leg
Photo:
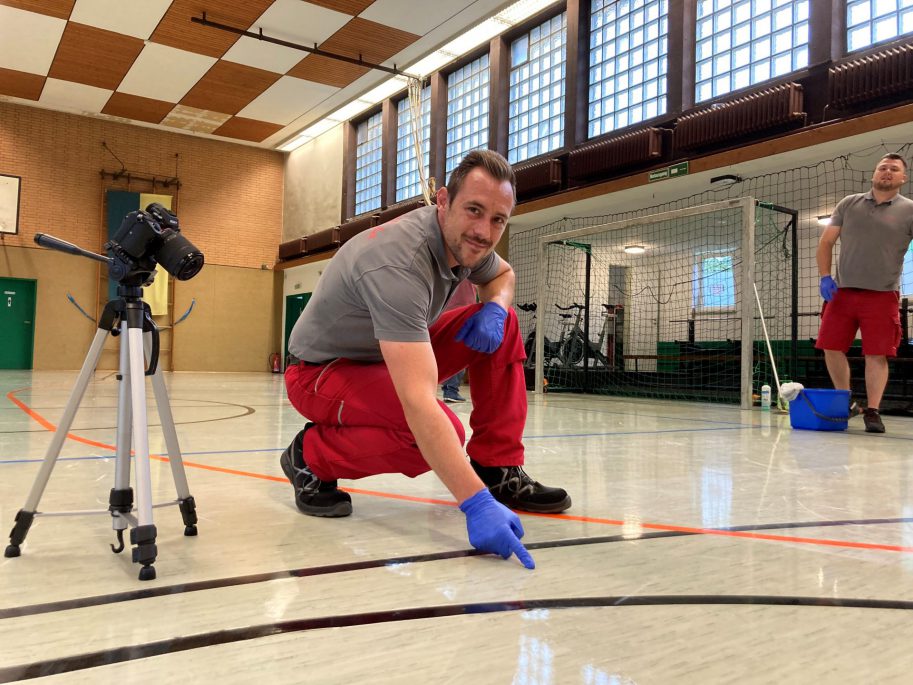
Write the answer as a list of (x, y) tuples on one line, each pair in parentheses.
[(26, 515), (120, 501), (143, 536), (185, 500)]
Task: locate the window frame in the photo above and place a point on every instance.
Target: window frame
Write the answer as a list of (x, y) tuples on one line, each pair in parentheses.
[(674, 17)]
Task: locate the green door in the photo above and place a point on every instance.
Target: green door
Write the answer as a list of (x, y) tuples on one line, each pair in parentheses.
[(17, 321), (294, 305)]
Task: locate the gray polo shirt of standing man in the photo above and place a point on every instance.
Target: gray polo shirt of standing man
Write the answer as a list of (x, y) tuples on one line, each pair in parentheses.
[(361, 296), (873, 240)]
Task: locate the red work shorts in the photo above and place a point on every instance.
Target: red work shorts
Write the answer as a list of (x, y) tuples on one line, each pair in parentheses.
[(874, 313)]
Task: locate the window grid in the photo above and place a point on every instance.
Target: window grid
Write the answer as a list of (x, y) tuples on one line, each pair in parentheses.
[(467, 111), (628, 59), (536, 103), (714, 283), (875, 21), (745, 42), (368, 162), (408, 180)]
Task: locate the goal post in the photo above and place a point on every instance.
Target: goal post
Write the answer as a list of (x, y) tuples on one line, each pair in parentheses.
[(659, 306)]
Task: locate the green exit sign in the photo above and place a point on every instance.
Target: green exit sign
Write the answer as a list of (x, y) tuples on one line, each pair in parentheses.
[(680, 169)]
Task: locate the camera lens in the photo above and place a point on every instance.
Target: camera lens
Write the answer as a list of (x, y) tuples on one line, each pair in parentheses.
[(179, 257)]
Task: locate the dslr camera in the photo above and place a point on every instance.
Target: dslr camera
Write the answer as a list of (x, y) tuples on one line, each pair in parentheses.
[(147, 238)]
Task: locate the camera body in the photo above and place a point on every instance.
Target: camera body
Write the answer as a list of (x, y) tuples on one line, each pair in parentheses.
[(146, 239)]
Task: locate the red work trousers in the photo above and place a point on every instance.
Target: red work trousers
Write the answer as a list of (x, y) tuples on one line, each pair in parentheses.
[(361, 429)]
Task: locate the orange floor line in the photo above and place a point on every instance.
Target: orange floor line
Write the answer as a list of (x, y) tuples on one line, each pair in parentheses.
[(424, 500)]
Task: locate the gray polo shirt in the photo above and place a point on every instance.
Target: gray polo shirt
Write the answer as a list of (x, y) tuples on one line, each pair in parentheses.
[(873, 240), (388, 283)]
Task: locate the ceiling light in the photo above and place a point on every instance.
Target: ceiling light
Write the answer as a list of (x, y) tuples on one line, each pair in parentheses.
[(431, 63), (725, 180), (635, 249), (385, 90), (521, 10), (824, 220), (478, 34), (352, 109), (295, 143)]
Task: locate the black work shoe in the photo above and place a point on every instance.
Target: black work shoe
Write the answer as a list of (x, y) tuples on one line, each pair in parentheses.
[(872, 420), (513, 488), (312, 495)]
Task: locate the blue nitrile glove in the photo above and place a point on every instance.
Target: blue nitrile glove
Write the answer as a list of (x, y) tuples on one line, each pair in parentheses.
[(828, 288), (484, 330), (494, 528)]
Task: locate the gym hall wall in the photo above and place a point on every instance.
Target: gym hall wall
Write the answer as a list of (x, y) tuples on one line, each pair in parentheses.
[(229, 205)]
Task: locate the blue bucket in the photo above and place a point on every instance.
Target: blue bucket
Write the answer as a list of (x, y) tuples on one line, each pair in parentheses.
[(820, 410)]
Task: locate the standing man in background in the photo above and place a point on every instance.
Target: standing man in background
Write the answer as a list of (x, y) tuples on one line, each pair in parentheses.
[(372, 345), (875, 229), (465, 294)]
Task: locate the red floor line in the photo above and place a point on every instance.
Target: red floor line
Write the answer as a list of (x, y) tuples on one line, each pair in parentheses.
[(424, 500)]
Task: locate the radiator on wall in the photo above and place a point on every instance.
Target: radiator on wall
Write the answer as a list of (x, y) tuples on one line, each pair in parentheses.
[(538, 177), (327, 239), (399, 209), (353, 227), (292, 248), (884, 73), (602, 157), (772, 108)]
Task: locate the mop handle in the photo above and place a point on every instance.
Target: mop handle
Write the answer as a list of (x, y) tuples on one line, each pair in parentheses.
[(773, 364)]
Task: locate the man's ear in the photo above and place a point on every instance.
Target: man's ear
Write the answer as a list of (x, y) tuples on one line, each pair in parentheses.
[(442, 197)]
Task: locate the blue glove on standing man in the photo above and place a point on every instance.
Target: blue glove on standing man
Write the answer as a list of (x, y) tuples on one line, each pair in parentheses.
[(484, 330), (828, 288), (494, 528)]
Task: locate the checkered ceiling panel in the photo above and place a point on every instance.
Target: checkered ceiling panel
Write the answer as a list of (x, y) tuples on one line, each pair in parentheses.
[(147, 61)]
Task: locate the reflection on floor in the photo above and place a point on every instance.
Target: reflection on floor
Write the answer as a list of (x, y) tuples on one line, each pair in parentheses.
[(705, 545)]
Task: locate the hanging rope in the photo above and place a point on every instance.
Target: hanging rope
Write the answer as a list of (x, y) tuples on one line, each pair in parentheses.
[(418, 138)]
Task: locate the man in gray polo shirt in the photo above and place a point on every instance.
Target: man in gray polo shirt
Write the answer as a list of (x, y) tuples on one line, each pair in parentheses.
[(373, 344), (875, 229)]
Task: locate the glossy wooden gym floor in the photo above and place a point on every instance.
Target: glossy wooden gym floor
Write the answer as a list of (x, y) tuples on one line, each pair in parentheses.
[(705, 545)]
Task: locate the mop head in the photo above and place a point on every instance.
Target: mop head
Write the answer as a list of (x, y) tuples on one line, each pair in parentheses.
[(790, 391)]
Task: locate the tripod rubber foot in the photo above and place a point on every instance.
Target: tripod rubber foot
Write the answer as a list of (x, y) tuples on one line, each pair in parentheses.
[(147, 573), (190, 531), (12, 551)]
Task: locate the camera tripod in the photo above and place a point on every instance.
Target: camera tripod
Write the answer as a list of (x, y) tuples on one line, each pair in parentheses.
[(128, 317)]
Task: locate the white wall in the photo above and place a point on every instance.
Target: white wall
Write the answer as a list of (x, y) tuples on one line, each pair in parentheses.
[(313, 186)]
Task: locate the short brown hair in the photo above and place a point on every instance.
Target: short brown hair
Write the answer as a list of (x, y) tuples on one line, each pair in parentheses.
[(489, 160), (894, 155)]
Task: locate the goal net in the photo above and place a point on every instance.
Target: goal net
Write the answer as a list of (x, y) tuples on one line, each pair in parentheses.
[(663, 305)]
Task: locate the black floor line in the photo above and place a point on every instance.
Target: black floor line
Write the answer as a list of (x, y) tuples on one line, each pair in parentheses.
[(220, 637), (146, 593)]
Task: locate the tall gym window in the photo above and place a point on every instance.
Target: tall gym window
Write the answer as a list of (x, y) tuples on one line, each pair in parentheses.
[(536, 103), (874, 21), (368, 162), (408, 181), (628, 56), (467, 111), (746, 42), (714, 283)]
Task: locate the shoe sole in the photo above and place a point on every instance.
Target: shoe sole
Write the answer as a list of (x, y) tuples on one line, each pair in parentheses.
[(875, 429), (336, 511), (552, 508), (450, 400)]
